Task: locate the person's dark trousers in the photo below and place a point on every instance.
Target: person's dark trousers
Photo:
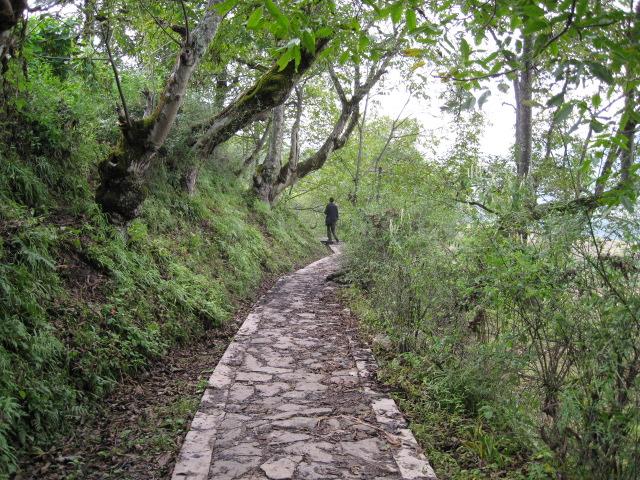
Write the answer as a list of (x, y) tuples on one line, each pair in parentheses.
[(331, 229)]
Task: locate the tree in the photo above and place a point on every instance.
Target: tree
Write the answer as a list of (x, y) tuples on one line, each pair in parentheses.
[(269, 187), (122, 189), (555, 38), (10, 14), (304, 26)]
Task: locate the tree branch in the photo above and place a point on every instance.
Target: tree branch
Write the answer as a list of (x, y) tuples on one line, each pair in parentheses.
[(269, 91), (106, 37), (256, 150), (337, 85), (477, 204), (186, 21)]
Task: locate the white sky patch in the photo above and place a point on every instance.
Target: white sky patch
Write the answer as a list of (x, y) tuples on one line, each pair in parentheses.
[(499, 113)]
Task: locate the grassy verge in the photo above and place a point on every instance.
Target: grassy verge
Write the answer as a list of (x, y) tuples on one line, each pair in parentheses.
[(459, 444)]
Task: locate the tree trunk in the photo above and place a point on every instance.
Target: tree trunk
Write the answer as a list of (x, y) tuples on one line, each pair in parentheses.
[(191, 172), (88, 25), (356, 178), (628, 154), (253, 156), (397, 122), (523, 89), (627, 126), (265, 173), (10, 14), (290, 173), (293, 171), (189, 180), (122, 190)]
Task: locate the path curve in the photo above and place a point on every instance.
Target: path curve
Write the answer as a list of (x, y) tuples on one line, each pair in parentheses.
[(294, 396)]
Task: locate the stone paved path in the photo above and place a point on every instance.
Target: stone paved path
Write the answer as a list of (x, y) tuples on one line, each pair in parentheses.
[(294, 396)]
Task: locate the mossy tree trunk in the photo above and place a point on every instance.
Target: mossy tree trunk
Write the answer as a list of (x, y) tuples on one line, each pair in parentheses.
[(122, 190), (266, 172), (524, 110), (270, 90), (10, 14)]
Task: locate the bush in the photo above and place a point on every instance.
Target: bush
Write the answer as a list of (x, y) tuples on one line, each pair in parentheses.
[(509, 355)]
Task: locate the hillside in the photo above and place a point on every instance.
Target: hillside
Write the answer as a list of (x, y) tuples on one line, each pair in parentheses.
[(86, 303)]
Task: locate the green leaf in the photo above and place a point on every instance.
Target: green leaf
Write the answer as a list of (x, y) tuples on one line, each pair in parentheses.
[(535, 25), (254, 19), (277, 14), (556, 100), (412, 52), (531, 103), (324, 32), (468, 103), (483, 98), (601, 72), (532, 10), (563, 112), (627, 203), (297, 56), (412, 22), (487, 60), (597, 126), (465, 50), (583, 6), (396, 12), (503, 87), (363, 42), (20, 103), (309, 41), (585, 168), (417, 65), (284, 60), (226, 6)]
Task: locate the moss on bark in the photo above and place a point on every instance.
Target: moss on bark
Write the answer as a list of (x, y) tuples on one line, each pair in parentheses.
[(122, 190)]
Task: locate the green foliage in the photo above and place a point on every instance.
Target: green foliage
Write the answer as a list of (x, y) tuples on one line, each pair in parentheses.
[(512, 349)]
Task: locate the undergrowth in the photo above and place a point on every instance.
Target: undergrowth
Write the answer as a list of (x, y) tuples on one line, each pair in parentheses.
[(512, 359)]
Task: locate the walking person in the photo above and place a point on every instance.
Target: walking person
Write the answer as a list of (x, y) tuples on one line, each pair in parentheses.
[(331, 218)]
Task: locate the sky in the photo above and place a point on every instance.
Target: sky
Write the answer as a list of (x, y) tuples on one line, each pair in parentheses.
[(499, 132)]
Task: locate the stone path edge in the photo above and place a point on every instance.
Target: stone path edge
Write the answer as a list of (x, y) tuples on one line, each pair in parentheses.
[(413, 464)]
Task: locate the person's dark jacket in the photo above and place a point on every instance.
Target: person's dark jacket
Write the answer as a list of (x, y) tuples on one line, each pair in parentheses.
[(331, 213)]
